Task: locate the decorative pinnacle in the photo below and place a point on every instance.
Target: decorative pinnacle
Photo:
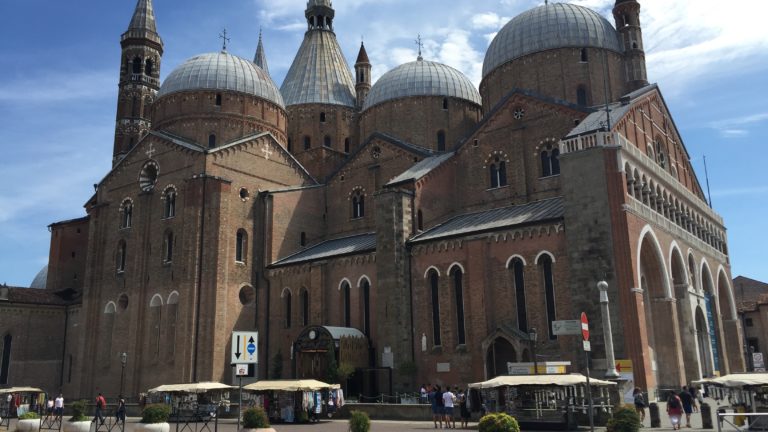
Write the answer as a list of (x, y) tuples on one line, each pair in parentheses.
[(225, 39), (420, 44)]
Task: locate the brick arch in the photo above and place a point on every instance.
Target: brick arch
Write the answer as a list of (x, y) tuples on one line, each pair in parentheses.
[(544, 252), (285, 290), (426, 272), (455, 264), (110, 308), (157, 300), (509, 260), (724, 287), (341, 283), (363, 278), (729, 324), (677, 266), (648, 235)]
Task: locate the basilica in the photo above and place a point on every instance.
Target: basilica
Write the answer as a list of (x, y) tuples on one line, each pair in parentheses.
[(415, 229)]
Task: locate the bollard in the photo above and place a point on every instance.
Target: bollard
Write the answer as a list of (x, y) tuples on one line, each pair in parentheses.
[(706, 416), (653, 411)]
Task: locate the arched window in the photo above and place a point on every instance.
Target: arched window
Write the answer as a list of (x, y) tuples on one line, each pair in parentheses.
[(5, 358), (419, 221), (441, 141), (169, 209), (136, 65), (358, 204), (518, 278), (434, 285), (445, 103), (287, 306), (170, 328), (584, 57), (365, 288), (581, 95), (218, 99), (546, 168), (120, 256), (305, 307), (345, 288), (307, 142), (241, 244), (126, 214), (327, 141), (458, 292), (322, 117), (545, 263), (498, 172), (168, 247), (155, 315), (107, 335), (346, 145), (148, 68), (555, 161), (550, 161), (211, 140)]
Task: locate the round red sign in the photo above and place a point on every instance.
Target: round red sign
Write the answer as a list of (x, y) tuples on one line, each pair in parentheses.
[(584, 326)]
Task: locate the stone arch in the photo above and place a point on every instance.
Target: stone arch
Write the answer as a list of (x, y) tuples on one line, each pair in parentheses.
[(285, 291), (713, 306), (544, 252), (499, 352), (509, 260), (660, 313), (173, 298), (110, 307), (426, 272), (695, 281), (685, 312), (703, 344), (363, 278), (731, 332), (157, 300), (342, 281), (456, 264)]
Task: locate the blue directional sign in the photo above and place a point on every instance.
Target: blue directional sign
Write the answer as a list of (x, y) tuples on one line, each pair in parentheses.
[(245, 347)]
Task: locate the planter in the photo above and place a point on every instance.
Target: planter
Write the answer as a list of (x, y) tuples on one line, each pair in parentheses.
[(258, 430), (78, 426), (152, 427), (30, 425)]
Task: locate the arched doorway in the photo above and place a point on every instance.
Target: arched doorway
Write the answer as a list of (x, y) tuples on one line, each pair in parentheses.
[(703, 343), (714, 312), (730, 324), (685, 305), (500, 352), (660, 316)]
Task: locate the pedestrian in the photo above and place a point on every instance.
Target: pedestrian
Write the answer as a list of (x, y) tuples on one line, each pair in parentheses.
[(688, 401), (423, 394), (692, 391), (463, 410), (437, 414), (49, 406), (448, 400), (101, 404), (58, 405), (120, 409), (699, 395), (639, 403), (674, 410)]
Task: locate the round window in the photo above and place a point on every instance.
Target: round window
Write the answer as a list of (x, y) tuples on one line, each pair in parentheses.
[(247, 295), (244, 194), (148, 176)]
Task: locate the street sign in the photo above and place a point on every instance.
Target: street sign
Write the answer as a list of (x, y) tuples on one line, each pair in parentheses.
[(244, 347), (566, 327), (241, 370), (587, 345), (584, 327)]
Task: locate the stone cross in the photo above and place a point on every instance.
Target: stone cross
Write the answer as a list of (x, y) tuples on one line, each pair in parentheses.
[(266, 150), (224, 38), (151, 150)]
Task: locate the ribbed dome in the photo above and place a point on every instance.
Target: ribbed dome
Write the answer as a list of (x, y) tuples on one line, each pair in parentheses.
[(556, 25), (221, 71), (41, 279), (422, 78)]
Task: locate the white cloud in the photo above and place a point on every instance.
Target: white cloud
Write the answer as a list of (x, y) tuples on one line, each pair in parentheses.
[(59, 86), (737, 127), (488, 20)]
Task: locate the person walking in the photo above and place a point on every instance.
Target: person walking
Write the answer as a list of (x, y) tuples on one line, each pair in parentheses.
[(674, 410), (58, 405), (448, 399), (101, 404), (463, 410), (688, 401), (423, 394), (639, 403), (435, 396), (120, 415)]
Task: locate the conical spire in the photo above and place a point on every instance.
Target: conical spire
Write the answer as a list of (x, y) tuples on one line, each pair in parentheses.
[(260, 59), (362, 56), (143, 17)]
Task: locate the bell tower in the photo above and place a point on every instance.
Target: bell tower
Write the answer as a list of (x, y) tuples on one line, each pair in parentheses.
[(142, 50), (627, 16), (362, 76)]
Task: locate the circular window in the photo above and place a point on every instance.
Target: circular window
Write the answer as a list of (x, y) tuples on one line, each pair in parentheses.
[(122, 302), (244, 194), (148, 176), (247, 295)]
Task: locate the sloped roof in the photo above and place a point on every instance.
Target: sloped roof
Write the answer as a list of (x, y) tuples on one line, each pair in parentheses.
[(422, 168), (597, 120), (41, 297), (490, 220), (331, 248)]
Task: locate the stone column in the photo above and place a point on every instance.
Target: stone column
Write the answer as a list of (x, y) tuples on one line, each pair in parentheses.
[(605, 314)]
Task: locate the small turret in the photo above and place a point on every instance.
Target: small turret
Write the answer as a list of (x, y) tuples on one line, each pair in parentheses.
[(142, 50), (362, 76), (260, 59), (627, 16), (319, 15)]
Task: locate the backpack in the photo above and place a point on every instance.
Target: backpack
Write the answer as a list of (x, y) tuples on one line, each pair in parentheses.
[(639, 401), (674, 402)]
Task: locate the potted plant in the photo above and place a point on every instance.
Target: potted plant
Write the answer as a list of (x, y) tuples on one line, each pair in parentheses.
[(28, 422), (255, 419), (79, 422), (359, 422), (498, 422), (154, 418), (625, 419)]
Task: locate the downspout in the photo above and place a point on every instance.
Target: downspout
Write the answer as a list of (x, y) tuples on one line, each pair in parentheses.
[(265, 212), (199, 281)]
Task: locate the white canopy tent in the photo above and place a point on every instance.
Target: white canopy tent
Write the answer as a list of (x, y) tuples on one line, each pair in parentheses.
[(540, 380), (737, 380), (290, 385), (21, 390), (200, 387)]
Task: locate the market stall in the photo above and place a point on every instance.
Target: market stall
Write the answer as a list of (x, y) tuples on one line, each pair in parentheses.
[(15, 401), (539, 400), (292, 401), (746, 395), (194, 406)]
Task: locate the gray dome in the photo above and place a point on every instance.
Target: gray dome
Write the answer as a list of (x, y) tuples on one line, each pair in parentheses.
[(41, 279), (422, 78), (556, 25), (221, 71)]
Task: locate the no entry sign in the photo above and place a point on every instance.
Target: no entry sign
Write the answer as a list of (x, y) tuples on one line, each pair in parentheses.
[(584, 326)]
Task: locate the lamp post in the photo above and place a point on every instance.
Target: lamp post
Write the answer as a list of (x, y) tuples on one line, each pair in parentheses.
[(532, 337), (610, 360), (123, 362)]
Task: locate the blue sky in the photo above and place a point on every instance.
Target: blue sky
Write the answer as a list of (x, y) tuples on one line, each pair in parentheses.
[(58, 89)]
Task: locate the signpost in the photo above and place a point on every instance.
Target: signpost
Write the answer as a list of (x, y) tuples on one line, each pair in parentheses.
[(566, 327), (587, 348), (244, 353)]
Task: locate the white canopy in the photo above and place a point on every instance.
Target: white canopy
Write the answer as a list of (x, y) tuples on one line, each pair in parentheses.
[(737, 380), (540, 380), (21, 390), (290, 385), (200, 387)]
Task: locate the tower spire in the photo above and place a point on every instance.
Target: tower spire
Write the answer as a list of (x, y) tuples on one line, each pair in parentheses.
[(143, 21), (260, 59), (363, 76), (627, 16)]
